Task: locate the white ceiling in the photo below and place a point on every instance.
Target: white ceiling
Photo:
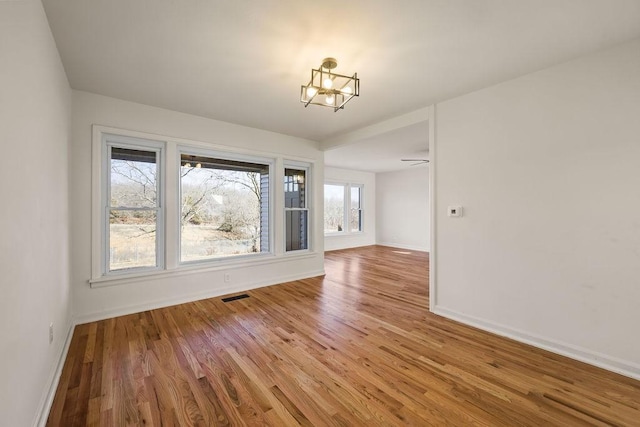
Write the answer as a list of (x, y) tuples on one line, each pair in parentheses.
[(372, 154), (243, 61)]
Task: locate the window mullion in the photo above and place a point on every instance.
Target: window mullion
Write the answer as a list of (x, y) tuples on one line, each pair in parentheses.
[(171, 207)]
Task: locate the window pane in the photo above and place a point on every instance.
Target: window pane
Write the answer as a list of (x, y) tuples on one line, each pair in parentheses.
[(355, 215), (296, 235), (224, 208), (355, 198), (294, 188), (333, 208), (355, 220), (133, 178), (296, 221), (132, 239)]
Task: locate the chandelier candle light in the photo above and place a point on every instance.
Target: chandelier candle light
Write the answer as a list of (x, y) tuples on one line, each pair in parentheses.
[(329, 89)]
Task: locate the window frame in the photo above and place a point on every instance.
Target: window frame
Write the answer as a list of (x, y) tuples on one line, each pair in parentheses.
[(360, 187), (223, 155), (109, 140), (169, 192), (307, 168), (346, 213)]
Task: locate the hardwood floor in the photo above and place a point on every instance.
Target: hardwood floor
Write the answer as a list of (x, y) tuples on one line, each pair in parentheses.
[(357, 347)]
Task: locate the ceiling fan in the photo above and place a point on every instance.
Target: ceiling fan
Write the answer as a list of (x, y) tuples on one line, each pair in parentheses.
[(416, 161)]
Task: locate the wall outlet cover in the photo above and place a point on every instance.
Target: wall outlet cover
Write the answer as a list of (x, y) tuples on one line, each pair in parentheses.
[(454, 211)]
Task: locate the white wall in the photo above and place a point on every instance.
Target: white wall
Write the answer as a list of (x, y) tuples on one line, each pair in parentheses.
[(546, 167), (34, 222), (402, 206), (138, 295), (368, 235)]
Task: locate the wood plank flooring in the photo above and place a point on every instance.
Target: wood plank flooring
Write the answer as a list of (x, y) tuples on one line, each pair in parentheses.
[(357, 347)]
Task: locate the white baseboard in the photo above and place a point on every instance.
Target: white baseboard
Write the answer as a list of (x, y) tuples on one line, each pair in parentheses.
[(407, 247), (166, 302), (623, 367), (54, 378), (350, 240)]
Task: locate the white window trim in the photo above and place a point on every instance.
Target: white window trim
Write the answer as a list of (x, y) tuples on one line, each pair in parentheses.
[(106, 141), (347, 186), (171, 161)]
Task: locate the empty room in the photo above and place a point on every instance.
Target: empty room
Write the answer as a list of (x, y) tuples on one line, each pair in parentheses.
[(279, 212)]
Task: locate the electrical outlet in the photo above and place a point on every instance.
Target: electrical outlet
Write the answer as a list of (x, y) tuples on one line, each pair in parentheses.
[(227, 277), (454, 211), (50, 333)]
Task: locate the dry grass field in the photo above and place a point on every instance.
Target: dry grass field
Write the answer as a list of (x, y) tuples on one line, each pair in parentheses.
[(134, 245)]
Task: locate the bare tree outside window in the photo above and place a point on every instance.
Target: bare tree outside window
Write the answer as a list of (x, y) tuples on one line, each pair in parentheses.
[(333, 208), (221, 208), (342, 208), (220, 214), (133, 209), (355, 209)]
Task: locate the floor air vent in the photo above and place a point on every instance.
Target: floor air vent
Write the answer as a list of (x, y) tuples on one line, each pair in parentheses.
[(228, 299)]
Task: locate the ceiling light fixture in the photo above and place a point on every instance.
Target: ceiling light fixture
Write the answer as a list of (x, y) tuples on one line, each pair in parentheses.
[(329, 89)]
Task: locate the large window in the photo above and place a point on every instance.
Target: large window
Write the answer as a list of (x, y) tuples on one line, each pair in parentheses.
[(296, 209), (162, 204), (224, 207), (132, 205), (342, 208)]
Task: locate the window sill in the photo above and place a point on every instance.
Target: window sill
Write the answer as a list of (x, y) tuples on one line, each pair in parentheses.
[(345, 234), (121, 279)]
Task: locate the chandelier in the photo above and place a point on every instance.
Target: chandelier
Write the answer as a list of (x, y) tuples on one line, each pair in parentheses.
[(329, 89)]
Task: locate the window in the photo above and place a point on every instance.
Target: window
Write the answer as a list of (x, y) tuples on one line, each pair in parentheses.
[(224, 207), (333, 208), (355, 209), (162, 205), (296, 209), (342, 208), (132, 205)]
